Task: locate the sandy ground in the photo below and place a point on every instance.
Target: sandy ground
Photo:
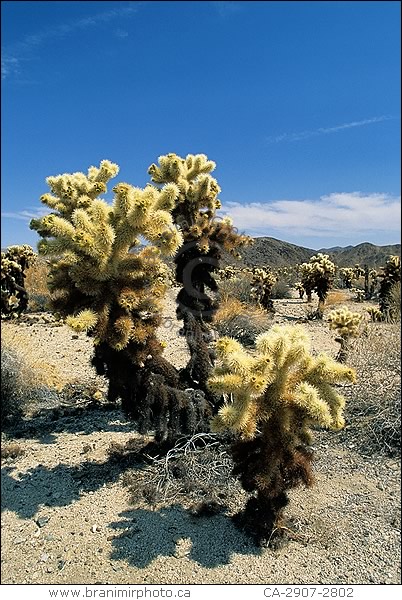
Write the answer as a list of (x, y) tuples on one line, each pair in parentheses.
[(67, 518)]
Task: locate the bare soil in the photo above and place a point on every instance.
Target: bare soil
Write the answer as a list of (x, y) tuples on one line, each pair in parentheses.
[(68, 518)]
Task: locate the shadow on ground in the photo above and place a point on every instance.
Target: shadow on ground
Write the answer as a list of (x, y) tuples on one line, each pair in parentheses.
[(172, 532)]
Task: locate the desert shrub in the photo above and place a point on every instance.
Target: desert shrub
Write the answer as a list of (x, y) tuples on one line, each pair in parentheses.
[(22, 387), (196, 472), (336, 297), (241, 321), (36, 285), (280, 290), (273, 399), (14, 262), (374, 403), (238, 288)]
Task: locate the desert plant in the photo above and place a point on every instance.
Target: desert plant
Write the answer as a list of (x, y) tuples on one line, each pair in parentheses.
[(300, 288), (273, 400), (206, 236), (14, 296), (346, 324), (243, 322), (347, 275), (389, 276), (318, 275), (262, 283), (104, 283), (375, 314)]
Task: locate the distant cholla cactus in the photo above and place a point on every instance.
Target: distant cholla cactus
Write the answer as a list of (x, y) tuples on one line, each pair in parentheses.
[(346, 324), (358, 272), (318, 275), (375, 314), (228, 272), (262, 283), (347, 275), (390, 275), (105, 284), (300, 288), (14, 262), (273, 400), (205, 236), (359, 294), (373, 275)]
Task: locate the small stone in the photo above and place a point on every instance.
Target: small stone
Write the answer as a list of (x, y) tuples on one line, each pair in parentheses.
[(95, 528), (19, 540), (42, 521), (44, 557)]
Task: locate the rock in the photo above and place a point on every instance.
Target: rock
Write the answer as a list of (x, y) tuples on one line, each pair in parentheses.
[(41, 521)]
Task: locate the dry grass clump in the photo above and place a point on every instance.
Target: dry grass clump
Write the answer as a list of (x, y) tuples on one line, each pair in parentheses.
[(336, 297), (395, 302), (243, 322), (195, 472), (27, 381), (238, 288), (20, 387), (11, 450), (374, 407), (36, 286)]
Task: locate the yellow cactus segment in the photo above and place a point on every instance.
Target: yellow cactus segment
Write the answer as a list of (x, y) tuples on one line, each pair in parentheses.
[(282, 382), (226, 346), (345, 322), (83, 321)]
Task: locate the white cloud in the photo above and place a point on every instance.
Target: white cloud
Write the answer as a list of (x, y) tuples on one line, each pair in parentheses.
[(344, 216), (22, 50), (25, 215), (304, 135)]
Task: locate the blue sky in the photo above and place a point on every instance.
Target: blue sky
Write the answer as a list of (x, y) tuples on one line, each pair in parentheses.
[(298, 103)]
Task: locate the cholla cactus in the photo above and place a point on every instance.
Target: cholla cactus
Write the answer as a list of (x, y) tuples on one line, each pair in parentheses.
[(358, 272), (273, 400), (347, 325), (318, 275), (228, 272), (262, 283), (300, 288), (104, 283), (14, 262), (389, 276), (347, 275), (206, 236), (375, 314), (373, 275), (359, 294)]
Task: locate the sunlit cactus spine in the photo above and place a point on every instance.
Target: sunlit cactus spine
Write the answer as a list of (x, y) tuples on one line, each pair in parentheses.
[(389, 276), (347, 325), (103, 282), (14, 262), (228, 272), (262, 282), (206, 236), (274, 399)]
